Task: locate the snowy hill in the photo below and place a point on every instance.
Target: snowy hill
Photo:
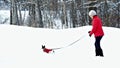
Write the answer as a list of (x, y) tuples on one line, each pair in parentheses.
[(20, 47)]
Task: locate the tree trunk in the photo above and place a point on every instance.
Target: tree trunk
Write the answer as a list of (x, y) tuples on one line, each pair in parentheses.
[(14, 16), (39, 14), (11, 12), (64, 15), (106, 14), (118, 15), (20, 18), (32, 15), (73, 14)]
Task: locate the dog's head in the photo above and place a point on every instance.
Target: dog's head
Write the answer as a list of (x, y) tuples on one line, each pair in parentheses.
[(43, 46)]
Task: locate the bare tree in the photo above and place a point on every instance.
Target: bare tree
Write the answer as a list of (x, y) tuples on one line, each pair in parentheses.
[(64, 15), (14, 14), (118, 10), (39, 13), (73, 14)]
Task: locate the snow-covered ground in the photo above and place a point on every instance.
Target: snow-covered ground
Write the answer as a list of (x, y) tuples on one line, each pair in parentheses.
[(20, 47)]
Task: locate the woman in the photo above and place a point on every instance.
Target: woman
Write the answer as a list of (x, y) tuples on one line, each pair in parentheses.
[(97, 31)]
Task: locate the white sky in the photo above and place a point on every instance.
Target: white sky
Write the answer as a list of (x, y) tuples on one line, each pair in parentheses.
[(20, 47)]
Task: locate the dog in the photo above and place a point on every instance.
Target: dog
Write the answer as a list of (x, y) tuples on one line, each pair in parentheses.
[(46, 50)]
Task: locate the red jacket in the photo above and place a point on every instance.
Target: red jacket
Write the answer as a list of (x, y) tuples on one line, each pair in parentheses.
[(47, 50), (97, 27)]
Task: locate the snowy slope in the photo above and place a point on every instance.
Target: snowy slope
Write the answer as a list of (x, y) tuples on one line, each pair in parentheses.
[(20, 47)]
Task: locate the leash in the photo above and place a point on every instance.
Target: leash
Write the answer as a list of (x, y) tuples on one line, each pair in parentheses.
[(71, 43)]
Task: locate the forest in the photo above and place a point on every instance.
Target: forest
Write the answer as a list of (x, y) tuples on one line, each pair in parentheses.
[(60, 14)]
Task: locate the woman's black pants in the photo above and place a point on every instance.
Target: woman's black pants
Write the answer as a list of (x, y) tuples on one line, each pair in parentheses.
[(98, 49)]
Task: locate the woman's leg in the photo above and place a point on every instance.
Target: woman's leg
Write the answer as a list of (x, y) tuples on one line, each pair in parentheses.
[(98, 48)]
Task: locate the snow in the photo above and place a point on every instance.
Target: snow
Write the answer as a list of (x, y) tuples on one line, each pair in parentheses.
[(5, 14), (20, 47)]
